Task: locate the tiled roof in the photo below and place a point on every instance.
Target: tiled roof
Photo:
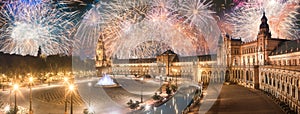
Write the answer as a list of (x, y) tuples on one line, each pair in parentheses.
[(170, 52), (287, 47)]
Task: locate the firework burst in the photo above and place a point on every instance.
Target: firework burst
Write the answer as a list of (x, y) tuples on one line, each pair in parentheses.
[(197, 12), (131, 28), (90, 28), (245, 19), (28, 25)]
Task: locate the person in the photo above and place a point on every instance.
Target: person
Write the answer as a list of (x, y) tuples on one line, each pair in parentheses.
[(130, 102)]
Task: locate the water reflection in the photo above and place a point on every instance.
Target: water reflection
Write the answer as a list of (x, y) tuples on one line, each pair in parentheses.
[(176, 104)]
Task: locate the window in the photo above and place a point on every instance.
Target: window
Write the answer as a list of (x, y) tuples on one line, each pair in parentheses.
[(248, 60), (253, 60), (288, 62)]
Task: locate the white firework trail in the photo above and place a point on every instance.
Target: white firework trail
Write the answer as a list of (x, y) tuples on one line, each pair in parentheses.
[(129, 23), (245, 20), (88, 31), (26, 26), (199, 15), (197, 12)]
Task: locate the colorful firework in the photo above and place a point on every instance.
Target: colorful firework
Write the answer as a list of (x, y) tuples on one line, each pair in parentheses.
[(89, 28), (27, 25), (196, 12), (131, 27), (245, 20)]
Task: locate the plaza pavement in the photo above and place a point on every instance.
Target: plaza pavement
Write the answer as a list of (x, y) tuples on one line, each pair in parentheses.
[(49, 99), (235, 99)]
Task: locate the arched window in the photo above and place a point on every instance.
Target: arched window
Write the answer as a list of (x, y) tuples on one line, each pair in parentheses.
[(251, 77), (266, 79), (262, 79), (247, 75)]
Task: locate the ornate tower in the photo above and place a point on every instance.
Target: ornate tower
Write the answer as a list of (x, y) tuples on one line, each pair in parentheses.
[(262, 40), (39, 53), (100, 53), (221, 54)]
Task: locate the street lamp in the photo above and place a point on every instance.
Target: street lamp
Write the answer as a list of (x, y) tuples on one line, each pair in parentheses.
[(90, 84), (7, 108), (66, 103), (176, 77), (30, 95), (71, 89), (89, 110), (66, 80), (160, 80), (16, 87), (10, 88), (3, 86), (142, 90)]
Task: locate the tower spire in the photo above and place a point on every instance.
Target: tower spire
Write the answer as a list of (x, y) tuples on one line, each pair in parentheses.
[(264, 26)]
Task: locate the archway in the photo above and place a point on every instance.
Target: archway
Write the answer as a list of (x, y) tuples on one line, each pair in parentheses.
[(266, 78), (261, 77), (222, 77), (215, 76), (238, 74), (247, 75), (204, 77), (209, 76), (227, 77), (252, 76)]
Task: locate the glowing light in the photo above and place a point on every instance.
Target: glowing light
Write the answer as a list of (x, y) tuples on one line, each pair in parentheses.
[(31, 79), (66, 79), (6, 108), (147, 107), (90, 110), (71, 87), (16, 87)]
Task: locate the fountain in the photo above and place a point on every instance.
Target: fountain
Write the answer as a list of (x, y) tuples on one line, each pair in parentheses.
[(106, 81)]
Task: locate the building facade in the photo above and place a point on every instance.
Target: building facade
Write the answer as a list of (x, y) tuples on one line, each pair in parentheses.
[(269, 64)]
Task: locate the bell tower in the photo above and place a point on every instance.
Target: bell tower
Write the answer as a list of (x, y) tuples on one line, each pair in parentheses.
[(264, 26), (100, 53), (262, 40)]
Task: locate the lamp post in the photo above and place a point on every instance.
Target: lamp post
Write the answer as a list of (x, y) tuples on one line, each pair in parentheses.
[(10, 88), (71, 89), (168, 66), (175, 71), (142, 90), (3, 86), (16, 87), (30, 95), (90, 84), (1, 83), (66, 103), (160, 79)]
